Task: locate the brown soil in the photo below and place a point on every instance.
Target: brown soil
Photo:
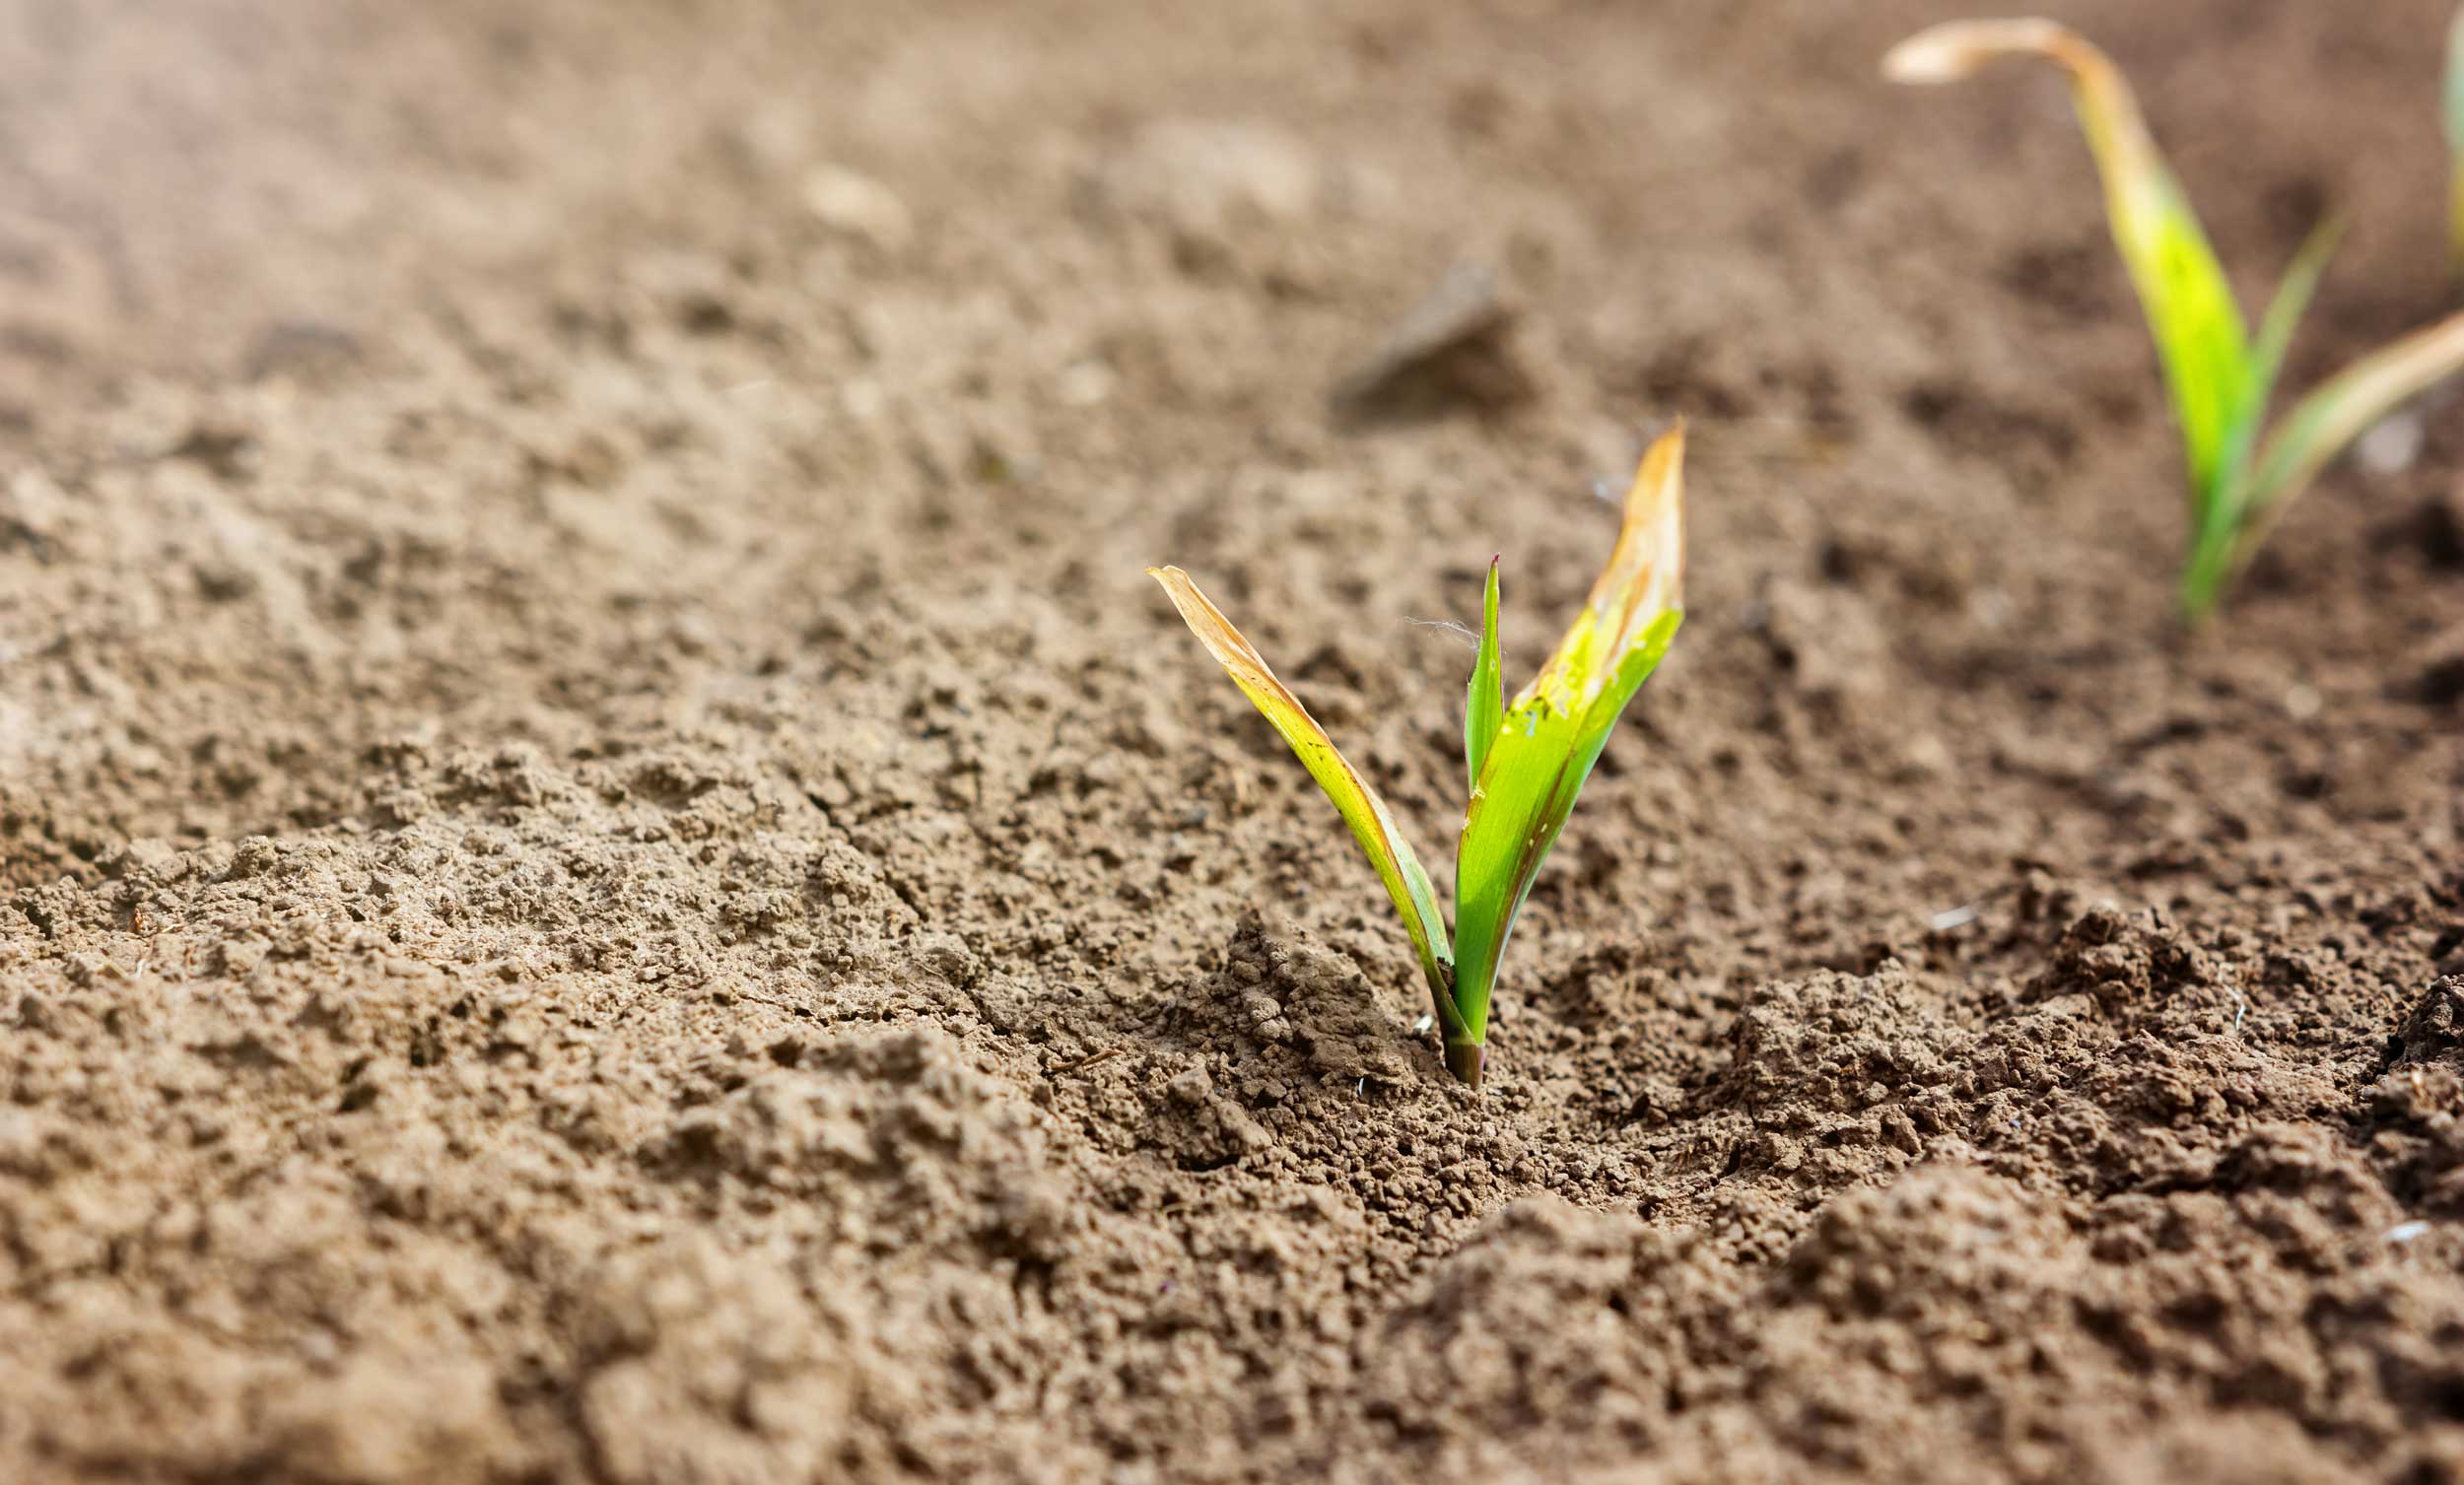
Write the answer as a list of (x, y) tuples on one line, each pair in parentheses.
[(609, 872)]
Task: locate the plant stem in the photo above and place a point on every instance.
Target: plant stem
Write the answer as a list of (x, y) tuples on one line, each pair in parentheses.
[(1463, 1059), (2203, 581)]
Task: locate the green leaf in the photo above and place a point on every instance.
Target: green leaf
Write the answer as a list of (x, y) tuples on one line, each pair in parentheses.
[(1484, 708), (2201, 340), (1555, 731), (2337, 412), (2213, 541), (1372, 823)]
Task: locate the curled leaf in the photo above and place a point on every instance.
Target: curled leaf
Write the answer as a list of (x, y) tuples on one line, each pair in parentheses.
[(2189, 303)]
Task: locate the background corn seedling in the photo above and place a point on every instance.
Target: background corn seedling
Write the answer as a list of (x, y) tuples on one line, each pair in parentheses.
[(2218, 374)]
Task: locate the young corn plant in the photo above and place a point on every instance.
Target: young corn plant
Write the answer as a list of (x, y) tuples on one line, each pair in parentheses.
[(2218, 374), (1526, 760)]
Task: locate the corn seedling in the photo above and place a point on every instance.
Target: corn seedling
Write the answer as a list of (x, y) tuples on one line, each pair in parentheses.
[(2219, 376), (1525, 761)]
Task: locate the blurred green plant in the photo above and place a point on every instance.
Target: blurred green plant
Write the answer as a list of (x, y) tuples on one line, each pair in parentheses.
[(1525, 761), (2451, 101), (2220, 377)]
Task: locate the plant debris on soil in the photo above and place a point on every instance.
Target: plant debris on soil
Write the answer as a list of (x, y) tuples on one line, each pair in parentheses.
[(610, 872)]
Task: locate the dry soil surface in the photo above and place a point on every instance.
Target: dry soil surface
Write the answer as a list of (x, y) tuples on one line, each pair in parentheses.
[(609, 872)]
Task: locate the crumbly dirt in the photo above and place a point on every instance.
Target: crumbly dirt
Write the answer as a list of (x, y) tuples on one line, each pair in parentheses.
[(609, 872)]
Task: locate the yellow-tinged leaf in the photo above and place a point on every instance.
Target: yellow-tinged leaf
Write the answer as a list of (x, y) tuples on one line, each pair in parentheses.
[(2200, 335), (1372, 823), (1645, 576), (1555, 731)]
